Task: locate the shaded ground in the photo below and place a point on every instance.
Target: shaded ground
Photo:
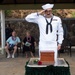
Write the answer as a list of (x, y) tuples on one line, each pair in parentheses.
[(17, 66)]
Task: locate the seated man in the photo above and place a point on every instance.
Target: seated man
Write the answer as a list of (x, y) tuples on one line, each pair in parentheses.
[(11, 44)]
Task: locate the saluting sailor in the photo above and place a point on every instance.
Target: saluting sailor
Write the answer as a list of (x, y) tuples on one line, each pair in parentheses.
[(50, 26)]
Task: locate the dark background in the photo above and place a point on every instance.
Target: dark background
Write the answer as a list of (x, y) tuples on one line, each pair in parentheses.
[(34, 1)]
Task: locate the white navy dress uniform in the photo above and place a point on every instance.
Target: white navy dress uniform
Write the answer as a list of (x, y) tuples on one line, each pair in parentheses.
[(47, 41)]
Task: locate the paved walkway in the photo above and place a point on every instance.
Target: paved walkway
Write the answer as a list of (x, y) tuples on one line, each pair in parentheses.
[(17, 66)]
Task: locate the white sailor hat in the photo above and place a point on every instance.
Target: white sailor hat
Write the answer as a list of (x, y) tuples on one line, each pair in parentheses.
[(47, 6)]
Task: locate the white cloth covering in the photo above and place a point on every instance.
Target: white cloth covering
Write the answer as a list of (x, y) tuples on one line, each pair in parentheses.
[(47, 41), (47, 6)]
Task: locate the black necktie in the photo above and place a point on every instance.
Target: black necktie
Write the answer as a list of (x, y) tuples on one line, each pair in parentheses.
[(49, 24)]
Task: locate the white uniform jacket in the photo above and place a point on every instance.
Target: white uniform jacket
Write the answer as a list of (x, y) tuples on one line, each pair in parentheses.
[(47, 41)]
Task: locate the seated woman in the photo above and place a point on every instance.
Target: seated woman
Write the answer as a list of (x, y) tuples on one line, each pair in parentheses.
[(11, 44), (29, 44)]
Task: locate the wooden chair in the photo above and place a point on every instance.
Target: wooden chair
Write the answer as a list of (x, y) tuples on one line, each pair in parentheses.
[(72, 43)]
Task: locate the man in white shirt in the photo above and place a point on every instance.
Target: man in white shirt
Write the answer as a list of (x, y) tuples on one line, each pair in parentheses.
[(11, 44), (50, 26)]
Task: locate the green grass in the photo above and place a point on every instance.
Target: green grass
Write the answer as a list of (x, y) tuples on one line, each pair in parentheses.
[(73, 14), (7, 12)]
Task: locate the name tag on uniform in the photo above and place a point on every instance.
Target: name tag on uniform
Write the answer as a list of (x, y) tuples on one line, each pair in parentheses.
[(54, 19)]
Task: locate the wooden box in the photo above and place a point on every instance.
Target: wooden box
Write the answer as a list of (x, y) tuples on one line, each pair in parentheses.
[(47, 57)]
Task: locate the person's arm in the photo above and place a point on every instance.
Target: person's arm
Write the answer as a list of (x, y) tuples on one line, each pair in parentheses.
[(35, 44), (33, 17), (60, 34), (7, 44), (23, 42), (18, 40), (8, 41), (34, 41)]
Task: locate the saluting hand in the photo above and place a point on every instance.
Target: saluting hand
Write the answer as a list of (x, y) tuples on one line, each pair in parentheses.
[(41, 12)]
